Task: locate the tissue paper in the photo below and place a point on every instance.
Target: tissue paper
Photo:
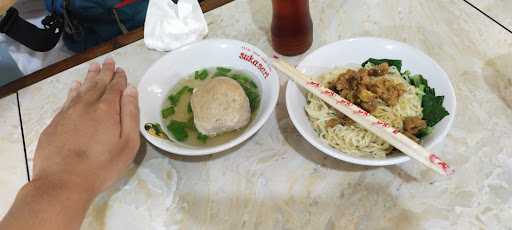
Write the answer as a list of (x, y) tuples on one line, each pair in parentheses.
[(169, 25)]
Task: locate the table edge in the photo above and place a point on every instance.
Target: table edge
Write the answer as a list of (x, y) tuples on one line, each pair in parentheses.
[(79, 58)]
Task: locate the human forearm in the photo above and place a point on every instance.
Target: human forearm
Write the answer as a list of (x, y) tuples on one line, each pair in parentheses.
[(44, 204), (102, 118)]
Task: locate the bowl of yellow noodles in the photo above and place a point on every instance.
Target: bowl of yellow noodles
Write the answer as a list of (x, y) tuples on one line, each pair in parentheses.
[(391, 80)]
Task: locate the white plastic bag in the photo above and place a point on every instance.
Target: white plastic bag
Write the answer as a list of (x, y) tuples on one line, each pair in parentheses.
[(169, 25)]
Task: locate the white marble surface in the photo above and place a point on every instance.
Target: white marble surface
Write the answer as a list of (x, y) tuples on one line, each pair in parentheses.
[(13, 172), (500, 10), (276, 180)]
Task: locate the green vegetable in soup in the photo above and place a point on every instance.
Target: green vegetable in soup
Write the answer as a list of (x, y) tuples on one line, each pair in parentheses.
[(178, 130), (391, 62), (201, 137), (168, 112), (201, 74), (244, 80), (221, 71), (178, 112), (250, 89), (254, 97), (157, 128), (175, 98)]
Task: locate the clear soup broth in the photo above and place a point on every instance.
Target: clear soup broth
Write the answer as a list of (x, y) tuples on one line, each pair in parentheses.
[(178, 116)]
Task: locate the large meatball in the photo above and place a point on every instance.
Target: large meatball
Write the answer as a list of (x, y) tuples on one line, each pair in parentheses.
[(220, 105)]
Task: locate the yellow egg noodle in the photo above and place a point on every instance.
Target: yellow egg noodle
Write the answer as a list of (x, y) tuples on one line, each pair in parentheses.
[(354, 139)]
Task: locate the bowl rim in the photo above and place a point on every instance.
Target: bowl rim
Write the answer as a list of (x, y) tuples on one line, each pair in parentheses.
[(399, 158), (257, 124)]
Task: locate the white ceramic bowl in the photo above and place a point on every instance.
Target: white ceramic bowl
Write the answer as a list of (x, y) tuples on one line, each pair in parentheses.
[(356, 51), (178, 64)]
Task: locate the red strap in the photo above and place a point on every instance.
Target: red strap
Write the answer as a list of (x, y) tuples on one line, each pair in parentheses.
[(124, 3)]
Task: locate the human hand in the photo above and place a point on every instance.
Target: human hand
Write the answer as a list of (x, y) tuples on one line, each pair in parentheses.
[(91, 142)]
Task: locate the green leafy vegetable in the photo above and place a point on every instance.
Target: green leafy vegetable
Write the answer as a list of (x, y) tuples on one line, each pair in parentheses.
[(245, 80), (201, 137), (250, 89), (178, 130), (201, 74), (175, 98), (391, 62), (157, 128), (254, 97), (190, 125), (168, 112), (424, 132), (417, 81), (433, 110), (221, 71)]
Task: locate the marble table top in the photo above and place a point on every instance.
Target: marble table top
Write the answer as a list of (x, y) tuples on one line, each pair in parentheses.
[(276, 180), (500, 10), (13, 173)]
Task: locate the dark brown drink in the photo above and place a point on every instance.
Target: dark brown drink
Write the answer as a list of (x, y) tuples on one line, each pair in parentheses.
[(292, 28)]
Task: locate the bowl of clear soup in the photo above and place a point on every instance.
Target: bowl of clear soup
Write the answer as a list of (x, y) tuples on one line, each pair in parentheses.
[(207, 97)]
